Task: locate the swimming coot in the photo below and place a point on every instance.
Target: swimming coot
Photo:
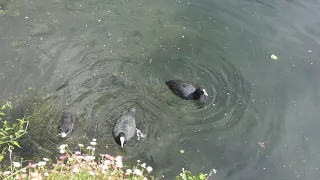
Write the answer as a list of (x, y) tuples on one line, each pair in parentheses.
[(184, 90), (125, 127), (66, 124)]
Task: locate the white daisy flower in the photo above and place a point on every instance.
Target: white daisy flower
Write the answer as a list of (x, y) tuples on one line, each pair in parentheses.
[(104, 167), (137, 172), (128, 171), (63, 146), (6, 173), (107, 162), (16, 164), (119, 164), (42, 163), (119, 158), (143, 165), (149, 169), (75, 169)]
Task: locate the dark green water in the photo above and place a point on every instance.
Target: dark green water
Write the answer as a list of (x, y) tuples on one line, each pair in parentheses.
[(116, 53)]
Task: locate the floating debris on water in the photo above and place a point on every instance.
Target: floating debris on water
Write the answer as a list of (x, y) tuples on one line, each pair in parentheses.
[(214, 171), (274, 57), (139, 134), (181, 151), (261, 144), (18, 43)]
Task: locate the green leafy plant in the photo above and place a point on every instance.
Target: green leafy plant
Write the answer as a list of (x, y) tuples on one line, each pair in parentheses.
[(10, 131), (81, 165), (186, 175)]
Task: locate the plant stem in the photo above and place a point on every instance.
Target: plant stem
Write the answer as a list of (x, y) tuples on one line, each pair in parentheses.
[(10, 152)]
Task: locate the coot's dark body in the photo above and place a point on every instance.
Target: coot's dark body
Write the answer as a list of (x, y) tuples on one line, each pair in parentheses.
[(125, 127), (184, 90), (66, 124)]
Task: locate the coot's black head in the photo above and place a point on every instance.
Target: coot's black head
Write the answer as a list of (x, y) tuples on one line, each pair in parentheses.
[(64, 130), (198, 93), (121, 139)]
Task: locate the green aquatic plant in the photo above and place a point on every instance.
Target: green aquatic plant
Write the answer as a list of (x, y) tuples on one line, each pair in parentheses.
[(186, 175), (10, 131)]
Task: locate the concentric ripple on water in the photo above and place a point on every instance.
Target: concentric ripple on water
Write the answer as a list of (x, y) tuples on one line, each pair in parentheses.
[(100, 90), (228, 92), (194, 124), (102, 87)]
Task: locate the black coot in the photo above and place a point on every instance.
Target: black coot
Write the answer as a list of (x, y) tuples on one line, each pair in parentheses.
[(125, 127), (184, 90), (66, 124)]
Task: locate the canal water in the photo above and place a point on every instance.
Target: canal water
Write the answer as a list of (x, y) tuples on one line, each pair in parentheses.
[(257, 59)]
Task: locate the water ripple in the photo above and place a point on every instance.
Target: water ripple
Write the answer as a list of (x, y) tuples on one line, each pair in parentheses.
[(102, 89), (228, 92)]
